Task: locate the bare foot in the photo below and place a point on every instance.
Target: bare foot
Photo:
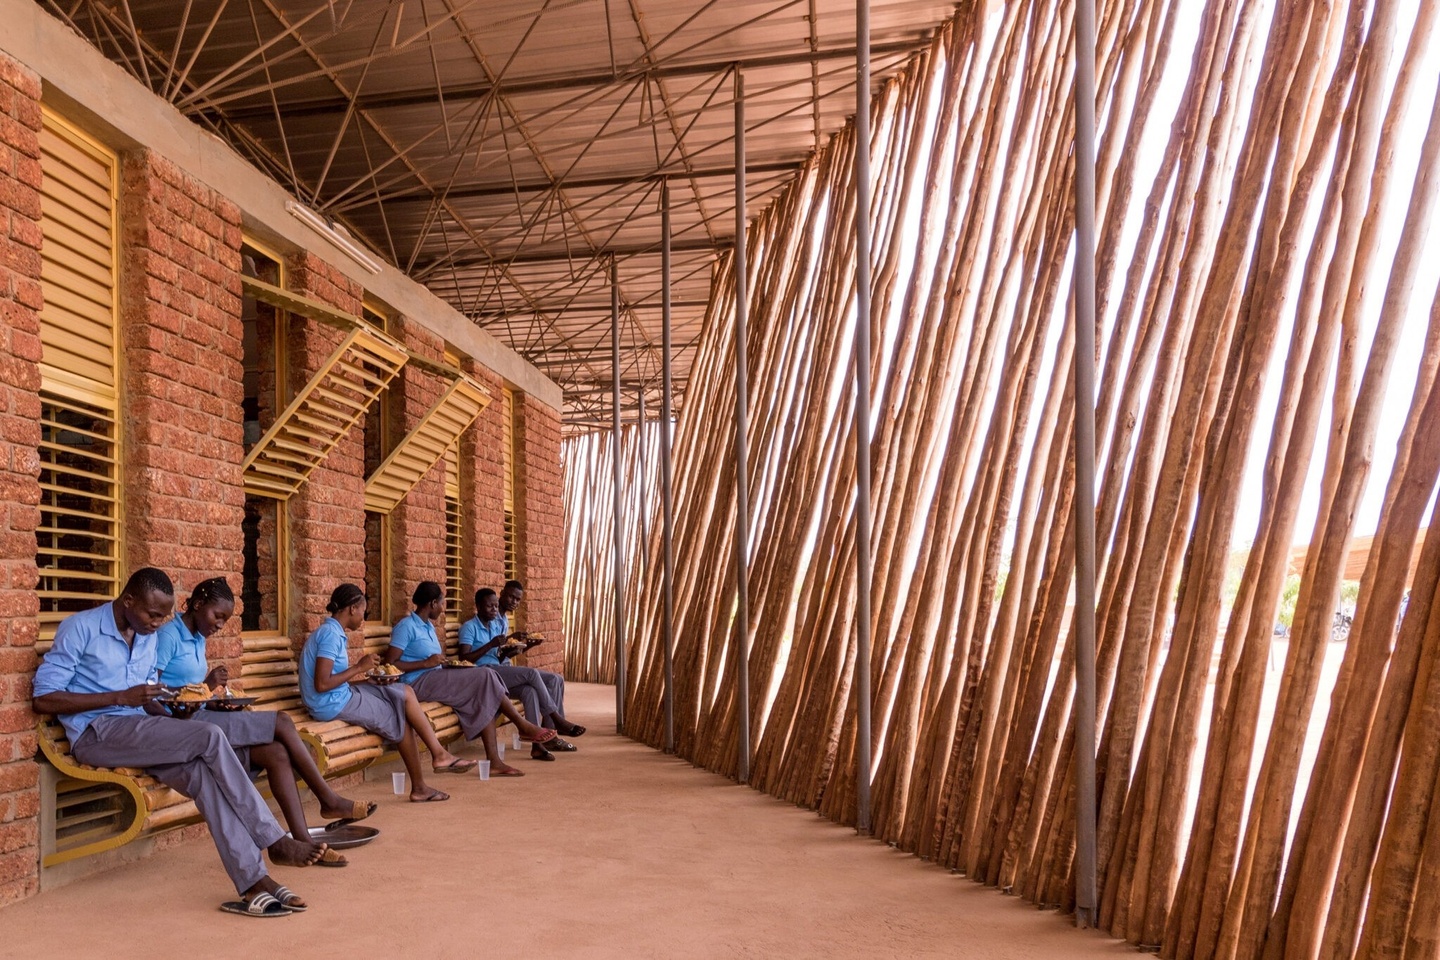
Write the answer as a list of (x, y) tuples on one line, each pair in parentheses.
[(429, 795), (288, 852)]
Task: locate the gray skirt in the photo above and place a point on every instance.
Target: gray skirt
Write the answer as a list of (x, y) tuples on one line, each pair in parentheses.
[(243, 728), (473, 694), (378, 709)]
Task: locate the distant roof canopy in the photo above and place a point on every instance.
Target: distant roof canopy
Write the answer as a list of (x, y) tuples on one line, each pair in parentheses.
[(502, 153)]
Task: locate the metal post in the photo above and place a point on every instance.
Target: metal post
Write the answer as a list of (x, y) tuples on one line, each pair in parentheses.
[(666, 507), (644, 557), (862, 415), (742, 485), (619, 560), (1085, 900)]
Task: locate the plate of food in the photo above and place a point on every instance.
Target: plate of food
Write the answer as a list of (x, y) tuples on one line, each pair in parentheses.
[(455, 663), (510, 650), (384, 673), (184, 701)]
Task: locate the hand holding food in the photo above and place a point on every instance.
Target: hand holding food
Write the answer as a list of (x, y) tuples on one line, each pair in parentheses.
[(218, 677)]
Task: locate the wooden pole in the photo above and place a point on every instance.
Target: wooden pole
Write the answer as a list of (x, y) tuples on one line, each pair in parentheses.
[(1085, 900)]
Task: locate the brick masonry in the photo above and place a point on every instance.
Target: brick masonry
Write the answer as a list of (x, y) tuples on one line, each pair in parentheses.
[(482, 512), (327, 516), (541, 527), (417, 524), (182, 360), (181, 367), (20, 301)]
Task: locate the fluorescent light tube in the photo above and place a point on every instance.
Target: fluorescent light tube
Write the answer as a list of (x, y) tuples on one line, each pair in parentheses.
[(335, 233)]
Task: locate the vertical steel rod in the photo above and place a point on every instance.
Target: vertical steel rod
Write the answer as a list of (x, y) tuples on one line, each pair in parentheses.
[(644, 557), (619, 561), (862, 415), (666, 507), (1085, 899), (742, 486)]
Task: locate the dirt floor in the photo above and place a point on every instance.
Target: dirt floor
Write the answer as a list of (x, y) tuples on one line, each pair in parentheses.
[(642, 856)]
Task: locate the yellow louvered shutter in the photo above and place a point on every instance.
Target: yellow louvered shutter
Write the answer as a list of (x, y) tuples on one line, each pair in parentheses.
[(78, 538), (423, 447), (77, 323), (454, 597), (507, 466), (334, 400)]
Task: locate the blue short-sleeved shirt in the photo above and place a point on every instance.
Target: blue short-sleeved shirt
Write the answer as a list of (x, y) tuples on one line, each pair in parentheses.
[(475, 634), (180, 654), (415, 637), (327, 641), (90, 656)]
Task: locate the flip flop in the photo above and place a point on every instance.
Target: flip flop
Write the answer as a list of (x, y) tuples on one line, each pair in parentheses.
[(575, 730), (290, 900), (262, 906), (457, 766), (512, 772), (545, 737), (559, 745), (435, 797), (329, 858)]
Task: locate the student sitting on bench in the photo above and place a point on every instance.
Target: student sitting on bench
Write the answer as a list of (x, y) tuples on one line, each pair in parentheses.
[(98, 678)]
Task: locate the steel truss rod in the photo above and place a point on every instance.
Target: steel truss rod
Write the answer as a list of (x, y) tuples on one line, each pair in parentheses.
[(477, 91), (587, 183), (649, 248)]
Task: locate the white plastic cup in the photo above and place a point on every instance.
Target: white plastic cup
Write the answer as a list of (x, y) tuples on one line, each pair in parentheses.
[(515, 739), (484, 769), (500, 748), (397, 783)]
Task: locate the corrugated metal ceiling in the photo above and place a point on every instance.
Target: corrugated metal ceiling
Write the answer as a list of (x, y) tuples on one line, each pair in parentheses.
[(502, 153)]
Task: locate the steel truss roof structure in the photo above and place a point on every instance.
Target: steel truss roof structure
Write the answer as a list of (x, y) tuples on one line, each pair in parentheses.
[(503, 154)]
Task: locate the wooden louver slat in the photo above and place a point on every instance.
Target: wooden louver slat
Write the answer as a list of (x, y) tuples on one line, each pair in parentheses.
[(286, 455), (437, 430)]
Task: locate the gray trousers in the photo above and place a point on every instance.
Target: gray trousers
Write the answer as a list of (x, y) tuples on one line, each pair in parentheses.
[(473, 694), (541, 692), (197, 760)]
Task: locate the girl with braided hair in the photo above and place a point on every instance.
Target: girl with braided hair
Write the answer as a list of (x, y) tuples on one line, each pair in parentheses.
[(266, 738)]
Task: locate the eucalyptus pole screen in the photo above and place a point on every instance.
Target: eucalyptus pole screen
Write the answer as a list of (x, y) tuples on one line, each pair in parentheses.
[(1267, 343)]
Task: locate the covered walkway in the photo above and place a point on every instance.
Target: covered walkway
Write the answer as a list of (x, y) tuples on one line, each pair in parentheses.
[(645, 856)]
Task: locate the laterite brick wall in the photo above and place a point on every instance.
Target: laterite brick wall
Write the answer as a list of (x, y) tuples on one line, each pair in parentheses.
[(541, 522), (20, 301), (327, 515), (181, 358)]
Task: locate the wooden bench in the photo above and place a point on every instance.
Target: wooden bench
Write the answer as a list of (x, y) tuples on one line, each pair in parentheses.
[(98, 809)]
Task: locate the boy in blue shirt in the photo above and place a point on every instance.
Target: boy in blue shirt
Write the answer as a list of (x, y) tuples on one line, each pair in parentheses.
[(99, 678), (484, 640)]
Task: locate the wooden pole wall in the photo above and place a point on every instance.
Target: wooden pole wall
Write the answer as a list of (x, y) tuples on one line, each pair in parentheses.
[(1266, 337)]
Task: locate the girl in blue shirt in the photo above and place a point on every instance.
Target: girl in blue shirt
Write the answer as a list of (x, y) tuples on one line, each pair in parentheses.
[(269, 736), (334, 690), (476, 694)]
